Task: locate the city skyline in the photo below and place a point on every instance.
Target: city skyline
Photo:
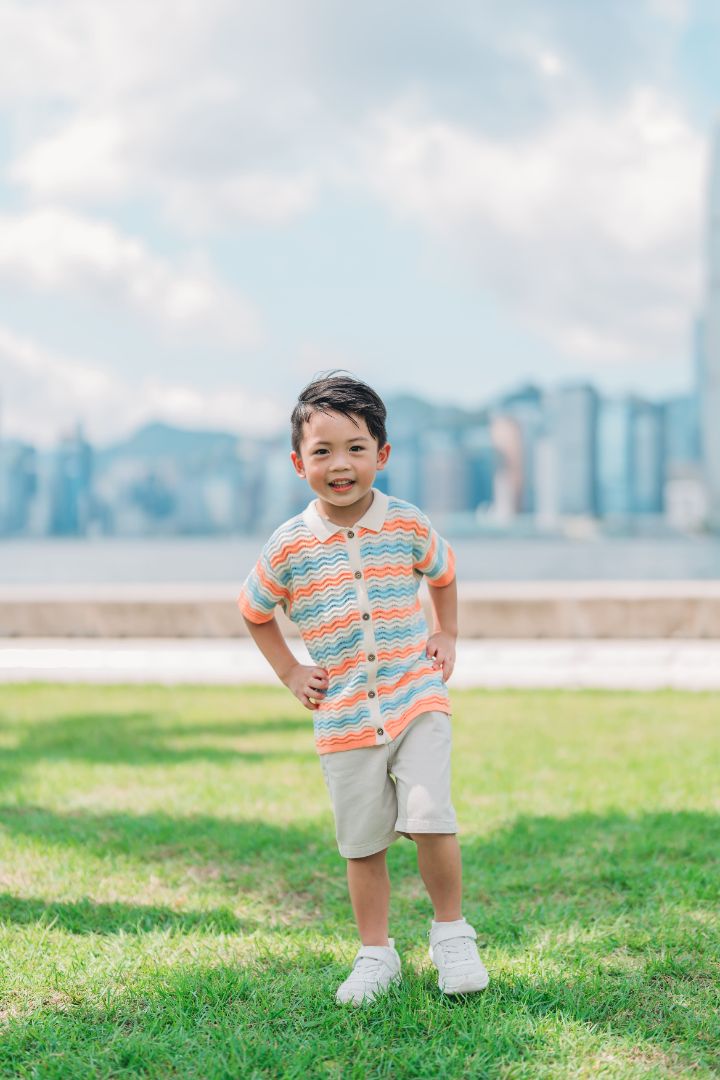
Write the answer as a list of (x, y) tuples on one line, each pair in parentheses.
[(437, 201), (544, 458)]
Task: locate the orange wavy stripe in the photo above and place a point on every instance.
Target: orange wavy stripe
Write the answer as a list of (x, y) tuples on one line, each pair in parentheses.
[(399, 653), (408, 677), (251, 613), (396, 612), (318, 586), (425, 704), (346, 703), (269, 584), (303, 543), (394, 524), (388, 571), (334, 624), (430, 557), (340, 669), (365, 737)]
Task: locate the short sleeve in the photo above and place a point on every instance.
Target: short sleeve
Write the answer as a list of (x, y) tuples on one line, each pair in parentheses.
[(262, 590), (432, 555)]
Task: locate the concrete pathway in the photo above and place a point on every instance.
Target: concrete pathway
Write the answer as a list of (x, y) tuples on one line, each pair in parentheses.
[(632, 665)]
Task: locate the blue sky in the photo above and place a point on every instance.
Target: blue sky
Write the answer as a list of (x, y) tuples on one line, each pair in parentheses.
[(202, 204)]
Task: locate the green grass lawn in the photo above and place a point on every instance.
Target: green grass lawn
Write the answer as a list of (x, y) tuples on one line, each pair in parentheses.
[(172, 903)]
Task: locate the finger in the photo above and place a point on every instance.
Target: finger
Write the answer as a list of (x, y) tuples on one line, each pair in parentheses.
[(308, 702)]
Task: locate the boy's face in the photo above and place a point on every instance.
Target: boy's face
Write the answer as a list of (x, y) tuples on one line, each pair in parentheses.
[(339, 459)]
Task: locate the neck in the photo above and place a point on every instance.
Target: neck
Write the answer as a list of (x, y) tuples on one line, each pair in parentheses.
[(339, 515)]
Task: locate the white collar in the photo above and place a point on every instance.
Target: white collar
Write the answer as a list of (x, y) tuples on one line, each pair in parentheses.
[(373, 518)]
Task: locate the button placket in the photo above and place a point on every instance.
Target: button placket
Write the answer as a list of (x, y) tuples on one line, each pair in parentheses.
[(363, 599)]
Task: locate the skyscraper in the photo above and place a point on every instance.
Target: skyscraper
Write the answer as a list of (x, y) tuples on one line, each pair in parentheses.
[(711, 350), (571, 413)]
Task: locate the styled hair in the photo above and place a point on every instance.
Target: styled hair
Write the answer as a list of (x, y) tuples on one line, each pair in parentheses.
[(342, 394)]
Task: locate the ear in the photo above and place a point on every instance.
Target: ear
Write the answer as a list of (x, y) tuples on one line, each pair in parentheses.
[(383, 455), (297, 463)]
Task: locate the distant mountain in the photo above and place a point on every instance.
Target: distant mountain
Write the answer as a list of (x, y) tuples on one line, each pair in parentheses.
[(407, 413), (158, 440)]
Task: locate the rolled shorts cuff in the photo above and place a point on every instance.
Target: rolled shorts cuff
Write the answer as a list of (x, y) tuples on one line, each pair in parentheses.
[(360, 851), (422, 825)]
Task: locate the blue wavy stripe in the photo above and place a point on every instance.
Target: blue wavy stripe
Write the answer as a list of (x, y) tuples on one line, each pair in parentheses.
[(399, 702), (320, 611)]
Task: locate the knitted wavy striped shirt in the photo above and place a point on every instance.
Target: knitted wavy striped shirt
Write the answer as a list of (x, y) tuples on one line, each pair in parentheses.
[(353, 593)]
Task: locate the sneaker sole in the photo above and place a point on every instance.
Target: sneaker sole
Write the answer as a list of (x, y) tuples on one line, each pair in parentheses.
[(468, 987), (369, 998)]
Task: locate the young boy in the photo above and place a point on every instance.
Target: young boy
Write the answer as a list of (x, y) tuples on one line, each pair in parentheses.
[(347, 571)]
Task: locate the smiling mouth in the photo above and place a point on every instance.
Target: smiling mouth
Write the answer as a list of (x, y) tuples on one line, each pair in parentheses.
[(341, 485)]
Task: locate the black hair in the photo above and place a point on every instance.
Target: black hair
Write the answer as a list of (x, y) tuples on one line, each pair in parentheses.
[(342, 394)]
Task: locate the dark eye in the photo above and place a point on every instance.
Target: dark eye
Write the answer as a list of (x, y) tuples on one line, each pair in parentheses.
[(320, 451), (357, 447)]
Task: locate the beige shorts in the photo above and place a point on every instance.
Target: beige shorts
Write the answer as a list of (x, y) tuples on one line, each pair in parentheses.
[(379, 792)]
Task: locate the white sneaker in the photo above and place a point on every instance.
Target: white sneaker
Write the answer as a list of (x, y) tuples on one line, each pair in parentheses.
[(375, 967), (454, 953)]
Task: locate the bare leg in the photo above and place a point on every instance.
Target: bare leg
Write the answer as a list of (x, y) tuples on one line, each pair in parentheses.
[(369, 886), (440, 865)]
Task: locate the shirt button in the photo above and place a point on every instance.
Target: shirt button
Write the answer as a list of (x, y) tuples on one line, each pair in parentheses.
[(365, 615), (380, 731), (371, 657), (350, 533), (358, 573), (371, 693)]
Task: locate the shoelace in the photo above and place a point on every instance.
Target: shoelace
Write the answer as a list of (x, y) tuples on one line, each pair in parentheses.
[(456, 950), (367, 967)]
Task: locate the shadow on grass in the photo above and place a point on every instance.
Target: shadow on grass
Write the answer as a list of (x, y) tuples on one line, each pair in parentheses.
[(89, 917), (537, 874), (141, 738)]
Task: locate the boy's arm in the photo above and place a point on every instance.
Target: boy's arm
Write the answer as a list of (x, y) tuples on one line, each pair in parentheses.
[(303, 680), (270, 641), (441, 643), (444, 605)]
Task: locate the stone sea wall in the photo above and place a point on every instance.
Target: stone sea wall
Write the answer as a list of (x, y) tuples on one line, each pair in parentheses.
[(543, 610)]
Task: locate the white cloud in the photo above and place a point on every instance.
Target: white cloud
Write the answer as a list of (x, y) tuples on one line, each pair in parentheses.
[(676, 12), (54, 249), (203, 126), (78, 50), (588, 230), (44, 393), (106, 157), (85, 159), (249, 197), (550, 64), (543, 145)]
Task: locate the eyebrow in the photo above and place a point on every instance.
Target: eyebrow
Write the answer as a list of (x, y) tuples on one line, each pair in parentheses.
[(325, 442)]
